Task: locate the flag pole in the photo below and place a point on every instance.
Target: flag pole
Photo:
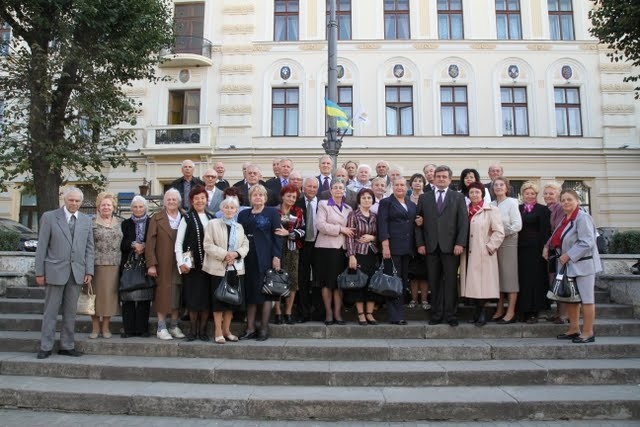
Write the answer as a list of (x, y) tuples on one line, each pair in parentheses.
[(333, 141)]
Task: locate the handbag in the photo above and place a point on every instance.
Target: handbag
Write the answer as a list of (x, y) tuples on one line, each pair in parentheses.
[(385, 284), (564, 288), (352, 279), (228, 293), (276, 283), (134, 276), (87, 302)]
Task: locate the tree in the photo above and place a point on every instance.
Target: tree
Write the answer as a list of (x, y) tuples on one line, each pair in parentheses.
[(617, 24), (65, 109)]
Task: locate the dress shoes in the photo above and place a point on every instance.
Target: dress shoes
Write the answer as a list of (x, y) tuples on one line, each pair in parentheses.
[(42, 354), (568, 336), (302, 319), (191, 337), (482, 319), (506, 322), (262, 336), (578, 340), (73, 353), (288, 319), (435, 321), (204, 337), (277, 319), (248, 335), (399, 322), (328, 322), (453, 322), (341, 322)]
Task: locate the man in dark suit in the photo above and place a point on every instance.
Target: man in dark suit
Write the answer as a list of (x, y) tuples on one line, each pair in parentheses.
[(186, 182), (64, 262), (243, 181), (325, 164), (221, 183), (428, 171), (496, 171), (253, 175), (442, 237), (274, 185)]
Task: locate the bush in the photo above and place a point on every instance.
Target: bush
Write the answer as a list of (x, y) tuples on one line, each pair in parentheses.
[(626, 242), (9, 240)]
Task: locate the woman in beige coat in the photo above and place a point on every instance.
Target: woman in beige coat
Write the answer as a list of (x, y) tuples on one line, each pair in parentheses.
[(479, 274)]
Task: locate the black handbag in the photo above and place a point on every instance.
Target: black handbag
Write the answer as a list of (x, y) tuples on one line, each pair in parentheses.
[(276, 283), (134, 275), (564, 288), (229, 292), (384, 284), (352, 279)]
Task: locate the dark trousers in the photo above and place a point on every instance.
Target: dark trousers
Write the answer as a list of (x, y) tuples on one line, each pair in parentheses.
[(442, 270), (395, 306), (303, 302), (135, 317)]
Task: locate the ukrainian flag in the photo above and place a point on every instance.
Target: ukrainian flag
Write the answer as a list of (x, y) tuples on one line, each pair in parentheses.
[(334, 110)]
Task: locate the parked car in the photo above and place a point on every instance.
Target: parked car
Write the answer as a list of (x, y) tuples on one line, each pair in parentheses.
[(28, 237)]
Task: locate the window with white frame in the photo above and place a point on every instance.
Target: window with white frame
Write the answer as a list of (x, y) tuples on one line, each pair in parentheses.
[(399, 110), (508, 23), (515, 120), (561, 19), (343, 18), (450, 23), (284, 111), (286, 20), (568, 114), (454, 110), (396, 20)]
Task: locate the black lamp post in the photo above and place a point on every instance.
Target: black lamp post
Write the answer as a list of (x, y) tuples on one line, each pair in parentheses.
[(333, 141)]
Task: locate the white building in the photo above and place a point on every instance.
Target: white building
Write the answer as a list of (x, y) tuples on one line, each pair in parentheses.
[(465, 83)]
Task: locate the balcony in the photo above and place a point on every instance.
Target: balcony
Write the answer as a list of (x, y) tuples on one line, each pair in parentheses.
[(188, 51), (171, 137)]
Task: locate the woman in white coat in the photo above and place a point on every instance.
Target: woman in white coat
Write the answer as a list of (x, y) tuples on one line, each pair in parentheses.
[(479, 276)]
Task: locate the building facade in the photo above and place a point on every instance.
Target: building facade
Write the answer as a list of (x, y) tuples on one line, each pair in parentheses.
[(466, 83)]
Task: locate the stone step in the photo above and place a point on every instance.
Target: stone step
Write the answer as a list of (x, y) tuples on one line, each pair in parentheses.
[(415, 329), (345, 349), (361, 404), (326, 373), (605, 310)]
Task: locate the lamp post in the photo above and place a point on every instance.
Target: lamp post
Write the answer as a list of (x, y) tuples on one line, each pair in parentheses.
[(333, 140)]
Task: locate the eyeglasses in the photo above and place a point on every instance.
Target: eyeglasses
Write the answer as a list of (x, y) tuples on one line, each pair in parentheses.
[(210, 176)]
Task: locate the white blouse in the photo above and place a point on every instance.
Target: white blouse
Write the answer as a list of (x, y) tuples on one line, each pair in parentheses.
[(510, 214)]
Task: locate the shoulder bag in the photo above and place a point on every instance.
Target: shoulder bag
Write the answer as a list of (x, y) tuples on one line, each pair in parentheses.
[(384, 284), (276, 283), (134, 275), (352, 279), (228, 292), (87, 302), (564, 288)]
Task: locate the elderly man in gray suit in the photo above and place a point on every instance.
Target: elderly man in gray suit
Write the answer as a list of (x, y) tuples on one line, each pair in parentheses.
[(64, 262)]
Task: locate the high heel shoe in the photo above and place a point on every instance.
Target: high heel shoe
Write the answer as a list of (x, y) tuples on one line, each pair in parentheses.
[(578, 340), (370, 319), (361, 322), (506, 322), (277, 319), (328, 322)]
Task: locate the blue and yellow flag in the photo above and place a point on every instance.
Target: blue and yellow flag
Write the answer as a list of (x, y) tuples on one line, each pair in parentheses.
[(334, 110)]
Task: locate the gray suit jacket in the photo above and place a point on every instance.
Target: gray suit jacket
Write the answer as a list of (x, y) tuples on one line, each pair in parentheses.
[(579, 242), (57, 256), (214, 203)]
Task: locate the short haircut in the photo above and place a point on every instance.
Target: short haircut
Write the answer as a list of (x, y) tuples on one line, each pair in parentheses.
[(417, 176), (367, 167), (198, 189), (477, 185), (529, 185), (395, 169), (140, 199), (344, 165), (258, 188), (337, 181), (106, 195), (233, 192), (70, 190), (553, 184), (571, 191), (309, 178), (289, 188), (325, 156), (172, 191), (384, 162), (364, 191), (188, 162), (233, 201), (378, 179), (443, 168)]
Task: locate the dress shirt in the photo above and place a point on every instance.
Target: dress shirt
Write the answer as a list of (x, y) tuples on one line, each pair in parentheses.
[(68, 214)]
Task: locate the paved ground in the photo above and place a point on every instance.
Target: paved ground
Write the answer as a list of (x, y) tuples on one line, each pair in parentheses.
[(22, 418)]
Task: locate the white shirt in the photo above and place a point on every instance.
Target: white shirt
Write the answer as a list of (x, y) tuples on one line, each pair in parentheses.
[(68, 214), (510, 214), (314, 210), (436, 193)]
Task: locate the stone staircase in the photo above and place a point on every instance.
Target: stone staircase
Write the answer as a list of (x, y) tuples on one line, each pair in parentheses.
[(313, 372)]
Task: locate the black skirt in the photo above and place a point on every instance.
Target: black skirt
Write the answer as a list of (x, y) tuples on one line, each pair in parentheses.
[(368, 264), (196, 290), (328, 263), (216, 304)]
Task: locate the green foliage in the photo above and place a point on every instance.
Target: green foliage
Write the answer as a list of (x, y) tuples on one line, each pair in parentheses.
[(66, 114), (9, 240), (626, 242), (617, 24)]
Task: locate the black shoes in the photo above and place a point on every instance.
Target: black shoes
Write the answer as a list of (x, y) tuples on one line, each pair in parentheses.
[(453, 322), (288, 319), (506, 322), (73, 353), (435, 321), (42, 354), (328, 322), (203, 337), (277, 319), (578, 340), (399, 322), (568, 336), (340, 322), (248, 335), (191, 337), (262, 336)]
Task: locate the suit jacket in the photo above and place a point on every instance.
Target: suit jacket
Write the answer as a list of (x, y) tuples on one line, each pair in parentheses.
[(222, 184), (178, 184), (446, 230), (396, 224), (579, 242), (214, 203), (58, 255), (321, 180), (273, 186), (329, 219)]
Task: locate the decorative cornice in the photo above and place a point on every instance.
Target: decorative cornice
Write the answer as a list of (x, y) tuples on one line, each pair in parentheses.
[(618, 109), (539, 47), (239, 9), (369, 46), (236, 68), (236, 89), (588, 46), (261, 48), (425, 45), (615, 68), (234, 110), (135, 92), (483, 46), (312, 46), (237, 48), (616, 87), (238, 29)]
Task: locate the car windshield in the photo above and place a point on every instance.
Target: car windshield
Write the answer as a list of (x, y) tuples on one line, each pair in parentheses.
[(14, 226)]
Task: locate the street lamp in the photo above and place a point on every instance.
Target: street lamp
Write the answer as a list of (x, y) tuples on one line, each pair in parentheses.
[(333, 141)]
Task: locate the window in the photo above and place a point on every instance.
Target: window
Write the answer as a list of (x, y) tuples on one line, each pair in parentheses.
[(5, 38), (396, 20), (189, 27), (343, 17), (184, 107), (284, 112), (561, 20), (568, 116), (508, 20), (399, 106), (450, 20), (583, 190), (454, 110), (515, 121), (285, 20), (345, 101)]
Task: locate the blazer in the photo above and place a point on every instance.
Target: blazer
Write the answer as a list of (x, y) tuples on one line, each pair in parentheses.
[(329, 219), (216, 241), (446, 230), (178, 184), (214, 203), (321, 180), (128, 237), (273, 186), (58, 255), (579, 242), (397, 224), (222, 184)]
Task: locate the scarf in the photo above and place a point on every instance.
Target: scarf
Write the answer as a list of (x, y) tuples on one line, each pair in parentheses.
[(233, 233), (474, 209), (528, 207), (141, 225), (556, 239)]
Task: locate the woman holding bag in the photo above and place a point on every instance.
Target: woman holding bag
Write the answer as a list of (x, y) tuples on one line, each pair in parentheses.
[(575, 240), (225, 247)]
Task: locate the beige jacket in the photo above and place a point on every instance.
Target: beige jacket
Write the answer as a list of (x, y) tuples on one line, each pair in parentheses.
[(216, 239)]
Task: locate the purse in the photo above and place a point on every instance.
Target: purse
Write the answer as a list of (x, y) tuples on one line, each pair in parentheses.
[(384, 284), (356, 280), (228, 293), (134, 275), (564, 288), (87, 303), (276, 283)]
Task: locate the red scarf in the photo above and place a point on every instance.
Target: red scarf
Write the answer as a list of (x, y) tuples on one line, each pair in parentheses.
[(556, 239), (474, 209)]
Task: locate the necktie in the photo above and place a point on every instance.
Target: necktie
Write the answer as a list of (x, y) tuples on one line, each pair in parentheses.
[(440, 201), (185, 196), (285, 182), (311, 232), (72, 225), (325, 184)]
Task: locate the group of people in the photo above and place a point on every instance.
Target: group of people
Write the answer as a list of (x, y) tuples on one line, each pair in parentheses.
[(474, 242)]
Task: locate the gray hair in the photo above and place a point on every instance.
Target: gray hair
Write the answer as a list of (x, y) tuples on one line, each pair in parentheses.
[(70, 190), (172, 191), (309, 178), (337, 181), (140, 199), (231, 200), (367, 167), (188, 162)]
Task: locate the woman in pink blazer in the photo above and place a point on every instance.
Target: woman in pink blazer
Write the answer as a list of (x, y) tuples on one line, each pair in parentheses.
[(329, 257)]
